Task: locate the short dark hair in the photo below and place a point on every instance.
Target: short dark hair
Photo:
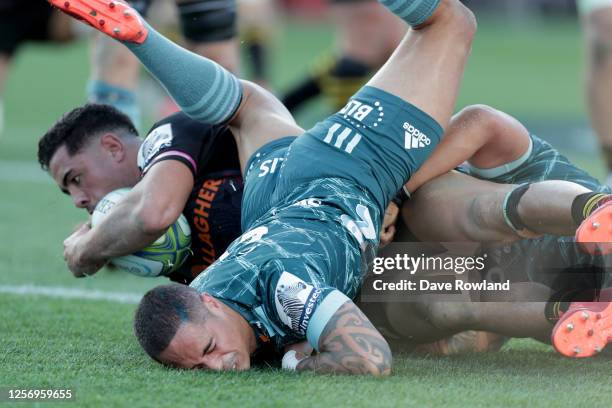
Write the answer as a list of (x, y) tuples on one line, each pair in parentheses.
[(161, 312), (75, 128)]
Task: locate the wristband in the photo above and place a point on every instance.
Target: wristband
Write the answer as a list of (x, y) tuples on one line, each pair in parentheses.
[(402, 196), (290, 360)]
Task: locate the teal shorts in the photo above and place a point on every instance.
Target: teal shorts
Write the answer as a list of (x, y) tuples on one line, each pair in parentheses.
[(375, 143)]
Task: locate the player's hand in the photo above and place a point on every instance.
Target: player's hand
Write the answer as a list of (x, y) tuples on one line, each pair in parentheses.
[(74, 253), (387, 232), (294, 354)]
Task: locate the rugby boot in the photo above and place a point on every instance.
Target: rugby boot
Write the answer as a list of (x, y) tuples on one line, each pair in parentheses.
[(584, 330), (115, 18), (595, 233)]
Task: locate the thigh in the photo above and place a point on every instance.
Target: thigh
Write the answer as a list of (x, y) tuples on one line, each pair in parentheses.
[(427, 67), (457, 207)]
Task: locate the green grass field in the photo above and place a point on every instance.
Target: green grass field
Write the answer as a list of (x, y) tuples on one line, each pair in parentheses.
[(88, 345)]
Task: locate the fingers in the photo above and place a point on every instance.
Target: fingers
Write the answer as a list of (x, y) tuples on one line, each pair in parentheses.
[(73, 254), (387, 235)]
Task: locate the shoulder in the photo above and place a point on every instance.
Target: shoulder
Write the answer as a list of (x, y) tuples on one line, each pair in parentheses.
[(180, 137)]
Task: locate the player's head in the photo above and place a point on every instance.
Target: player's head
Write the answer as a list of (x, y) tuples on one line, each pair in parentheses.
[(91, 151), (180, 327)]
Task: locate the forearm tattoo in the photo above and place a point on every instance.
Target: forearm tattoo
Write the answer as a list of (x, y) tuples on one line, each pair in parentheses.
[(350, 345)]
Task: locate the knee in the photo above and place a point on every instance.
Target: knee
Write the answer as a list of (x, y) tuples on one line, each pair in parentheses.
[(461, 19), (467, 22), (482, 115), (485, 220), (477, 111)]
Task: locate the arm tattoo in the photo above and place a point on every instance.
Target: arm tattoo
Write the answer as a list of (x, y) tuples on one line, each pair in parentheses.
[(350, 345)]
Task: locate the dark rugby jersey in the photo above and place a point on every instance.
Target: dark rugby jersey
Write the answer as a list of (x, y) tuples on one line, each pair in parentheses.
[(213, 208)]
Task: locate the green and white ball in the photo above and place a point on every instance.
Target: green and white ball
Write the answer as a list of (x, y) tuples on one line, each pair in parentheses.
[(162, 257)]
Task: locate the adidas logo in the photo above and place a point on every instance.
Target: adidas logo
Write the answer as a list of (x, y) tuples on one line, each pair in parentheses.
[(414, 138)]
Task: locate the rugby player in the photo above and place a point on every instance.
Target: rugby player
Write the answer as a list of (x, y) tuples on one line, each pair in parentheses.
[(279, 282), (312, 225), (95, 149)]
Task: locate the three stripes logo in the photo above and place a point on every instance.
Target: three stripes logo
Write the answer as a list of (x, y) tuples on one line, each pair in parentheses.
[(414, 138), (340, 139)]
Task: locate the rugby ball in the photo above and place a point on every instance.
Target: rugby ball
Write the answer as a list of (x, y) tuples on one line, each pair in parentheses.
[(162, 257)]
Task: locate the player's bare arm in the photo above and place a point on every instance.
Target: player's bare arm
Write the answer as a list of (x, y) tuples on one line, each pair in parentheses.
[(479, 134), (139, 219), (350, 344)]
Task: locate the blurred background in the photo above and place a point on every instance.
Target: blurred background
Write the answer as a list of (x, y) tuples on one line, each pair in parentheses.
[(528, 60)]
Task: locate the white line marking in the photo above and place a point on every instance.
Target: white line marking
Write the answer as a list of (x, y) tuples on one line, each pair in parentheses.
[(70, 293)]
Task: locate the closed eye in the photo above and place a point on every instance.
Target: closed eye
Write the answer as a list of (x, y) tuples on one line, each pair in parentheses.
[(207, 348)]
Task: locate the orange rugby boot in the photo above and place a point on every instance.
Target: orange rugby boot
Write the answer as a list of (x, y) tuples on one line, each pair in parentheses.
[(584, 330), (595, 233), (114, 18)]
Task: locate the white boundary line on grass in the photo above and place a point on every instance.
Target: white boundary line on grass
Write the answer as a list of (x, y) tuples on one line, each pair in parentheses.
[(70, 293)]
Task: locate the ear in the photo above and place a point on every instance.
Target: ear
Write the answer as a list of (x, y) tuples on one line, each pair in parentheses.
[(114, 146), (210, 302)]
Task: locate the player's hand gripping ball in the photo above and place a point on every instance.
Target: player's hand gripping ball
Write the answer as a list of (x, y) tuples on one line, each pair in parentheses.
[(162, 257)]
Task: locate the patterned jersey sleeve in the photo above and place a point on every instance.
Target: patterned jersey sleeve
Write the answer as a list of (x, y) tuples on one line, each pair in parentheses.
[(300, 307), (192, 143)]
